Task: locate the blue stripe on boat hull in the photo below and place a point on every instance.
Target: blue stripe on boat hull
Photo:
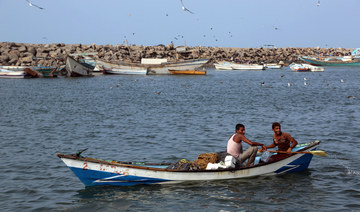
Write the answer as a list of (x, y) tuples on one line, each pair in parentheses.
[(297, 165), (98, 178)]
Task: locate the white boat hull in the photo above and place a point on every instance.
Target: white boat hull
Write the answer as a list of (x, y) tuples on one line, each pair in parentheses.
[(8, 74), (155, 68), (94, 172), (236, 66)]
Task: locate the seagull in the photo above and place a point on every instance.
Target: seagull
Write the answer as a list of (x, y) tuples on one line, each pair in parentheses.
[(184, 8), (158, 92), (305, 78), (263, 83), (289, 84), (342, 80), (318, 3), (31, 4), (305, 83)]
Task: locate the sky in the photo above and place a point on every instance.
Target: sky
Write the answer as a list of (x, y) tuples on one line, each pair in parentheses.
[(214, 23)]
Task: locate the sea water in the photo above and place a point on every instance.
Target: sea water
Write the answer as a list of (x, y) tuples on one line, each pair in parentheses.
[(168, 118)]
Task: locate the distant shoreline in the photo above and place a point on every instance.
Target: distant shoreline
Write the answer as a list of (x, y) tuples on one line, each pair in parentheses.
[(25, 54)]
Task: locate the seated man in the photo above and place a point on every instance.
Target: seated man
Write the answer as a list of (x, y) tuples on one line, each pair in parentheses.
[(234, 146), (282, 140)]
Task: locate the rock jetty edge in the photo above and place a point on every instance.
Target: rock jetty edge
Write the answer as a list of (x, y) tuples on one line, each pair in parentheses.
[(24, 54)]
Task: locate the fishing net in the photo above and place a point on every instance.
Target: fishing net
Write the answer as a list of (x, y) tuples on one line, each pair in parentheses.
[(184, 165), (205, 158)]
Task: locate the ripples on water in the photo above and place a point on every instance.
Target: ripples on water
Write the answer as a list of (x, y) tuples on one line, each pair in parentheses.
[(166, 118)]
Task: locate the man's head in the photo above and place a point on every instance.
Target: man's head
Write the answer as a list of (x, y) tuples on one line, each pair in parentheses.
[(276, 128), (240, 128)]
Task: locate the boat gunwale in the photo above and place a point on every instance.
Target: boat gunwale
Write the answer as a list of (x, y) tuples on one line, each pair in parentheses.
[(116, 163)]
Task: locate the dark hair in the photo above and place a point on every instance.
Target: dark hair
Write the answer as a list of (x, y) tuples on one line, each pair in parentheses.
[(275, 124), (238, 126)]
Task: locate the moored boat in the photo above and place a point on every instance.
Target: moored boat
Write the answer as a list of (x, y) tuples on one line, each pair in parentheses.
[(304, 67), (76, 69), (162, 68), (34, 71), (96, 172), (326, 61), (188, 72), (350, 60), (124, 71), (273, 66), (224, 65), (10, 74)]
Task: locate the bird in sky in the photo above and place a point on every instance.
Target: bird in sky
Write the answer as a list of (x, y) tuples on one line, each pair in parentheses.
[(34, 5), (318, 3), (184, 8)]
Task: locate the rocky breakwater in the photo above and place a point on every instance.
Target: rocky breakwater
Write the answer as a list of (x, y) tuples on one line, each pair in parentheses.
[(22, 54)]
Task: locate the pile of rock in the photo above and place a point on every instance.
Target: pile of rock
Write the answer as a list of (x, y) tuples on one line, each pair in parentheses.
[(55, 54)]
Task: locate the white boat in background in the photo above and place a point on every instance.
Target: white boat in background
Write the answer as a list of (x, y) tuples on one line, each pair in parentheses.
[(273, 66), (162, 68), (9, 74), (224, 65), (304, 67), (248, 67), (314, 68), (118, 71)]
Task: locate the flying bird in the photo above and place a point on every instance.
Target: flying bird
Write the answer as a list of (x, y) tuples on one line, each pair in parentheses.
[(318, 3), (34, 5), (184, 8)]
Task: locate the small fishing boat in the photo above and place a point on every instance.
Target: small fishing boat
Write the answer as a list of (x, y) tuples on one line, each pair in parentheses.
[(224, 65), (10, 74), (162, 68), (96, 172), (331, 61), (76, 69), (188, 72), (273, 66), (34, 71), (129, 71), (350, 60), (304, 67)]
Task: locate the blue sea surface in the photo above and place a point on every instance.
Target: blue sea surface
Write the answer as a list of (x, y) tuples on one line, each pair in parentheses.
[(167, 118)]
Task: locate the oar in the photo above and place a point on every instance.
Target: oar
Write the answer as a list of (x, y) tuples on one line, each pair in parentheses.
[(315, 152)]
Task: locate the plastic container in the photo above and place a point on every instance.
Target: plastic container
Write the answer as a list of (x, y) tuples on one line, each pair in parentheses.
[(265, 156), (230, 161)]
